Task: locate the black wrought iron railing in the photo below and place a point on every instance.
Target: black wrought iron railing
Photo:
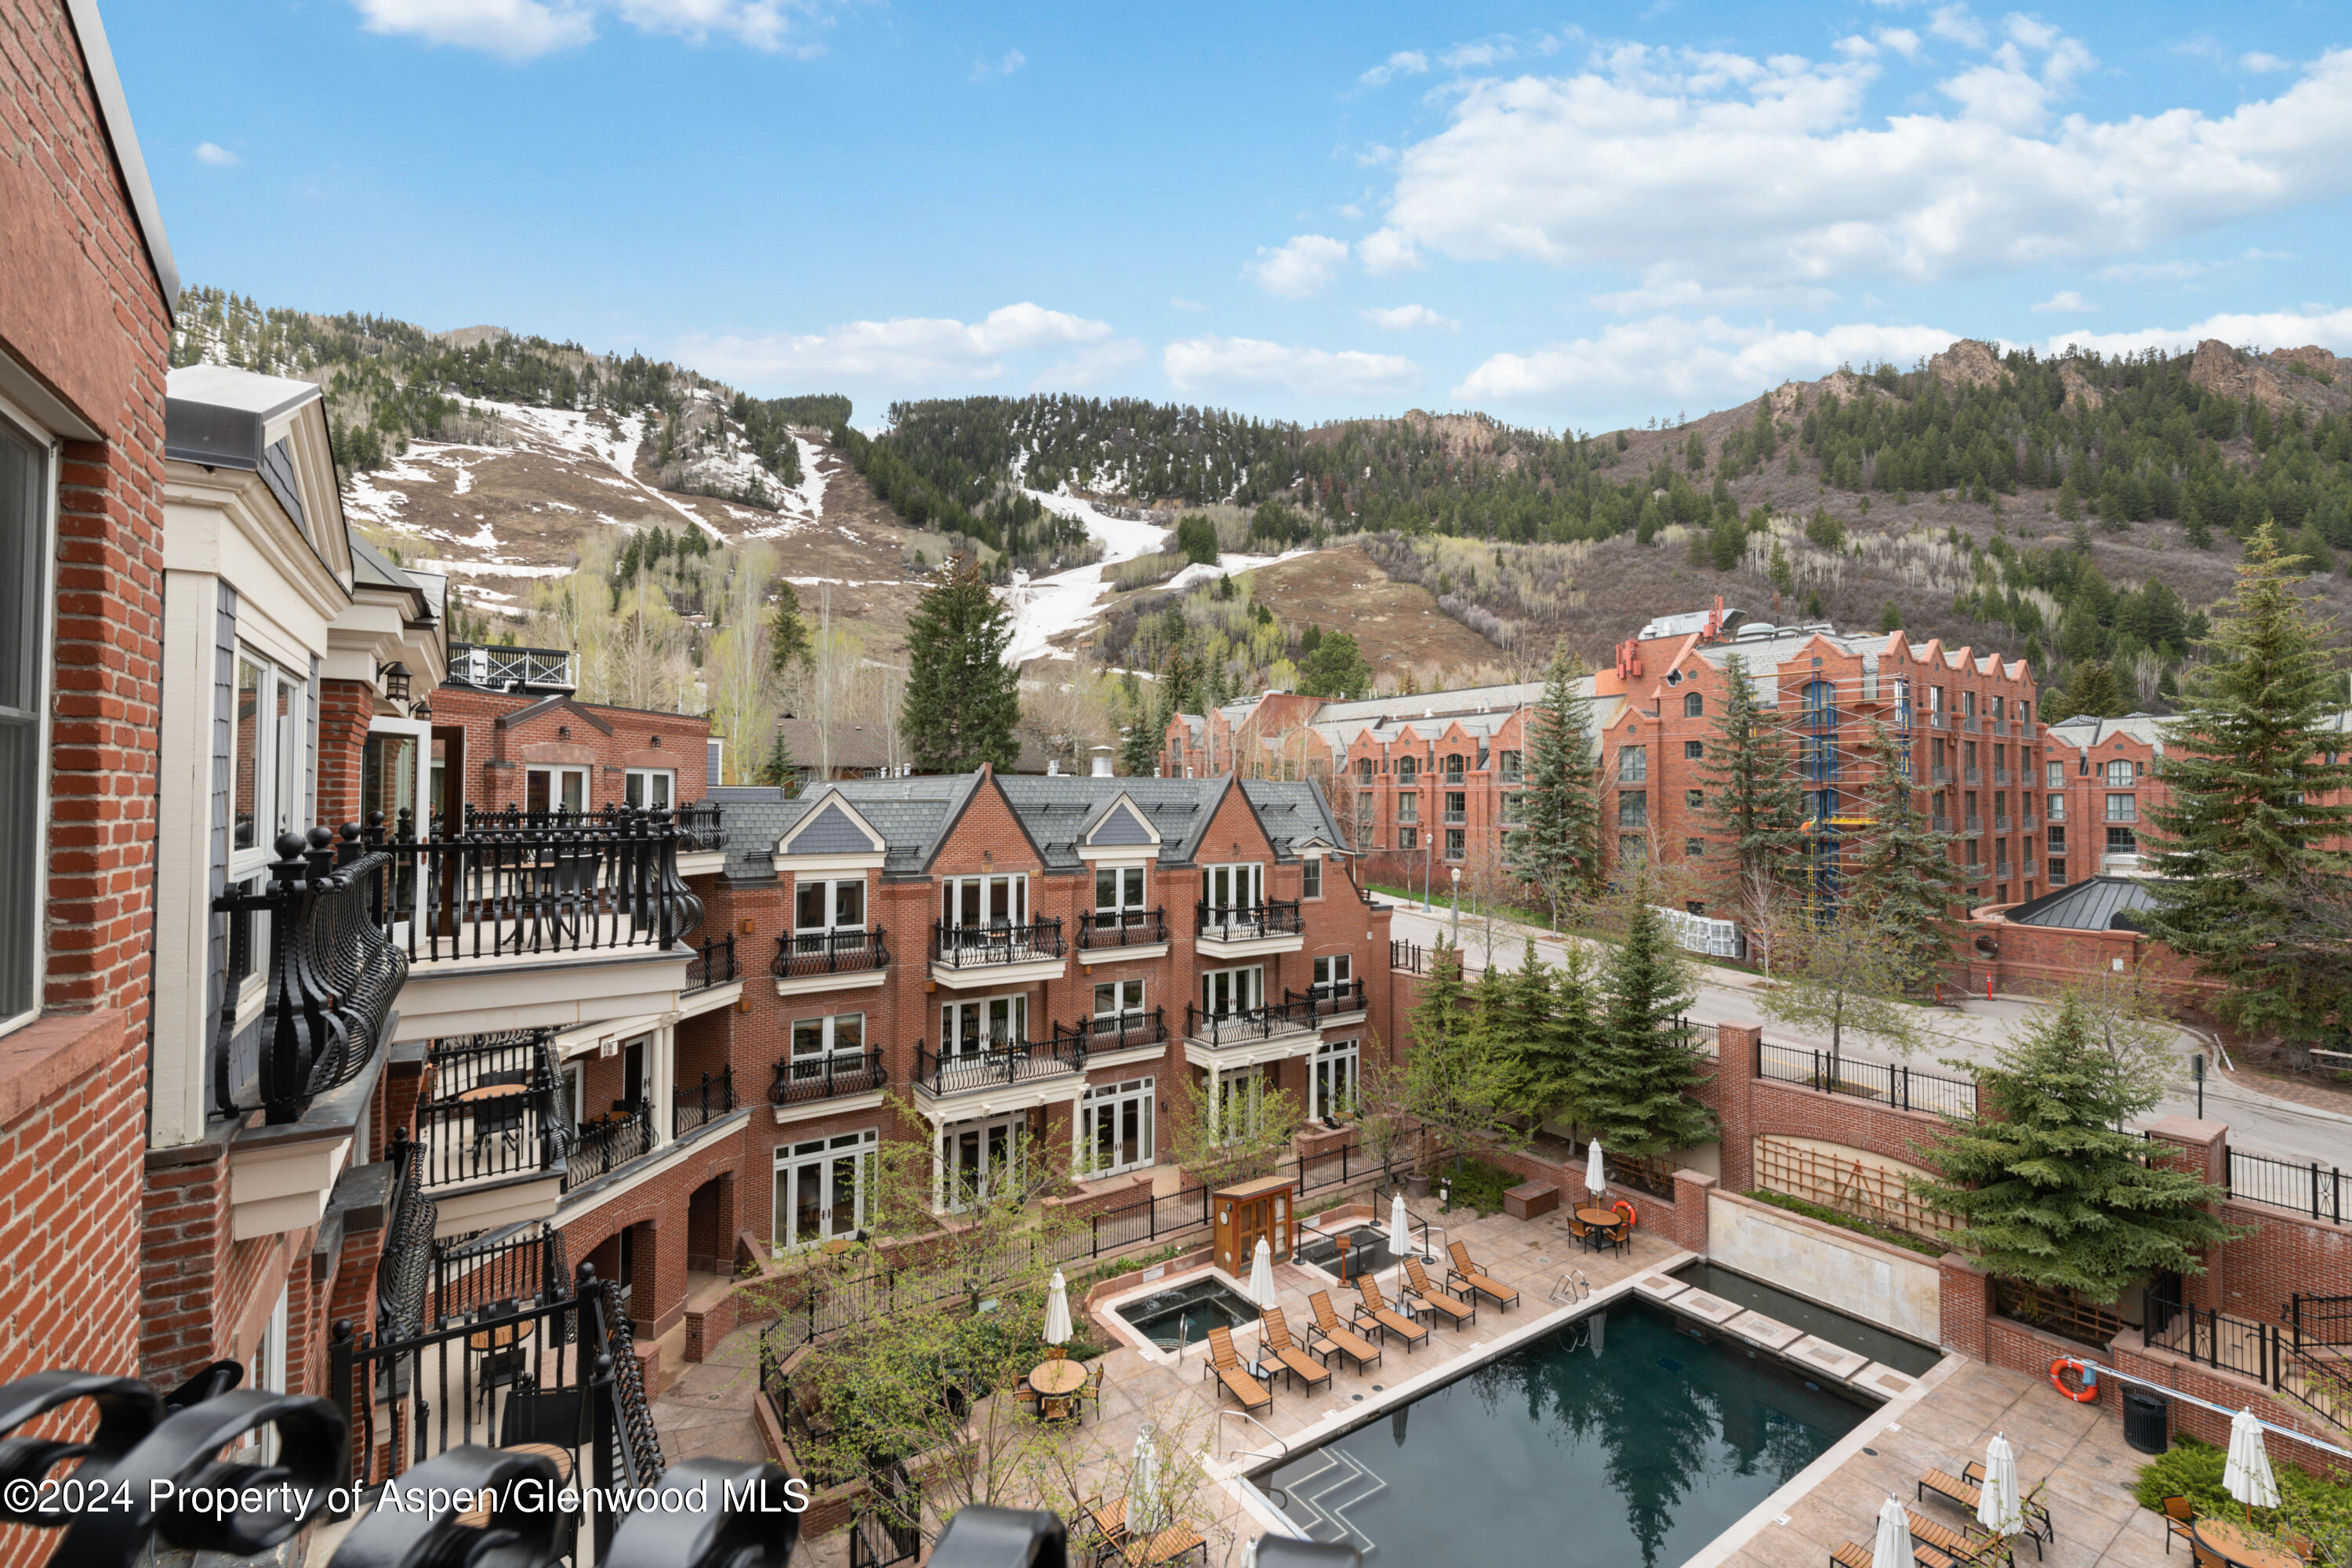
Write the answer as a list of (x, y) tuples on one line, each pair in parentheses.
[(2061, 1312), (1122, 928), (2297, 1357), (331, 977), (1241, 1024), (802, 955), (405, 1268), (516, 884), (1113, 1031), (603, 1146), (2323, 1192), (698, 830), (713, 963), (495, 1114), (997, 1061), (803, 1079), (702, 1102), (1244, 922), (1893, 1084), (505, 1268), (968, 947), (1329, 999)]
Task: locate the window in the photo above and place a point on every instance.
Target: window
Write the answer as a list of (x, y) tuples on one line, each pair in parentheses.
[(980, 902), (2120, 773), (1409, 807), (1694, 849), (1363, 770), (1227, 991), (1115, 1126), (1968, 704), (2122, 808), (2057, 808), (555, 789), (1969, 854), (2054, 775), (2057, 873), (1457, 804), (1632, 850), (1695, 749), (2057, 840), (1935, 705), (818, 1042), (2121, 841), (1695, 799), (1632, 764), (1290, 771), (1996, 710), (267, 769), (983, 1024), (1334, 975), (1633, 809), (1454, 768), (1310, 876), (1118, 889), (1694, 705), (1510, 803), (1508, 765), (820, 1188), (829, 905), (24, 664), (2025, 714), (979, 1160), (1407, 837), (1233, 887), (650, 789), (1453, 844), (1332, 1087), (1114, 998), (1408, 769)]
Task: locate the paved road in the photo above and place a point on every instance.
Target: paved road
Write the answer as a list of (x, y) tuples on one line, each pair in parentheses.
[(2259, 1123)]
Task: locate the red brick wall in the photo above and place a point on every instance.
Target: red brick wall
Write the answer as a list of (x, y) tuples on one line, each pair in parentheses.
[(345, 707), (608, 741)]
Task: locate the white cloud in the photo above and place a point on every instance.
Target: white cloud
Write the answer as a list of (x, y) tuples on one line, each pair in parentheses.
[(1955, 22), (2259, 61), (1407, 318), (1182, 304), (1697, 361), (526, 29), (1901, 40), (2329, 327), (1730, 170), (1250, 365), (1384, 251), (1404, 62), (218, 156), (1302, 267), (1666, 291), (904, 349), (2066, 300), (1005, 65)]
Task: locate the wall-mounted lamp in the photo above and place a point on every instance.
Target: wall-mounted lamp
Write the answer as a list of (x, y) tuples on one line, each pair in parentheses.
[(396, 681)]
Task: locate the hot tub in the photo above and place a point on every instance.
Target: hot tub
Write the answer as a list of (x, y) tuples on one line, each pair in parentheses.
[(1183, 1315)]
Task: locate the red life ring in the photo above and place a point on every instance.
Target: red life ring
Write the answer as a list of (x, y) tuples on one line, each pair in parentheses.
[(1631, 1218), (2090, 1389)]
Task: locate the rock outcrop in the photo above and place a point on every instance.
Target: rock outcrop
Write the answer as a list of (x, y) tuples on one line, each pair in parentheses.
[(2309, 377), (1968, 363)]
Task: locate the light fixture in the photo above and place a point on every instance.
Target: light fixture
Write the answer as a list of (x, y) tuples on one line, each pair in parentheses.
[(420, 708), (396, 681)]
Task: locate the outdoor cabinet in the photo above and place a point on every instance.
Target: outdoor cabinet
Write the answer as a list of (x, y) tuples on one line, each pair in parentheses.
[(1265, 1207)]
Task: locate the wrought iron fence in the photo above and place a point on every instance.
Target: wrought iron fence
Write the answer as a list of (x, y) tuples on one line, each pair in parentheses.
[(2301, 1357), (713, 963), (801, 1080), (1244, 922), (1242, 1024), (698, 831), (1000, 1061), (703, 1104), (517, 1267), (2060, 1313), (1329, 999), (2317, 1190), (494, 1113), (601, 1147), (970, 947), (1893, 1084), (802, 954), (1122, 928), (1112, 1031), (331, 977), (405, 1264)]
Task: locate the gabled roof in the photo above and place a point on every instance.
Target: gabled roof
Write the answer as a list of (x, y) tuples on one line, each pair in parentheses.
[(831, 825)]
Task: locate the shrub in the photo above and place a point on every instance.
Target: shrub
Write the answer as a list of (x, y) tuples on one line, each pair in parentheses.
[(2311, 1505)]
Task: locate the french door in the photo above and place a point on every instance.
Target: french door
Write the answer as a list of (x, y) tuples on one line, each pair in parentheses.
[(820, 1188), (980, 1159)]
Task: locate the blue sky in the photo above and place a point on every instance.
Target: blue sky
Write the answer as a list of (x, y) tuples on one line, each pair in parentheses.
[(1568, 217)]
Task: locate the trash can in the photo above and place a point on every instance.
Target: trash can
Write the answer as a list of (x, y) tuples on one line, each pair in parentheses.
[(2146, 1421)]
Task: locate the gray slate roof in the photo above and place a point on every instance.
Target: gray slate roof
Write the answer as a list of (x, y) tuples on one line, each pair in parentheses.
[(2093, 904)]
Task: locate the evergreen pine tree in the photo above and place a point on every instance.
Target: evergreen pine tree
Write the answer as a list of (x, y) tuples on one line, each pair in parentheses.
[(788, 634), (780, 768), (1557, 846), (2092, 689), (1633, 1087), (2046, 1189), (1458, 1071), (1548, 1017), (1138, 754), (2251, 770), (1902, 870), (1753, 805), (962, 700)]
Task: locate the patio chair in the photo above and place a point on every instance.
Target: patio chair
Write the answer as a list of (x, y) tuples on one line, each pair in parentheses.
[(1225, 1363), (2037, 1512), (1376, 1310), (1454, 1309), (2205, 1556), (560, 1417), (1966, 1546), (1466, 1273), (1855, 1554), (1965, 1492), (1274, 1339), (2179, 1515), (1337, 1336)]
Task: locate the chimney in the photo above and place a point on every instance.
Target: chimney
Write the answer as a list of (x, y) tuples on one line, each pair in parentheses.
[(1101, 768)]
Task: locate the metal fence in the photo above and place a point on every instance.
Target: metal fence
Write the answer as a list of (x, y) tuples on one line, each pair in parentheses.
[(1893, 1084), (2300, 1358), (2313, 1189)]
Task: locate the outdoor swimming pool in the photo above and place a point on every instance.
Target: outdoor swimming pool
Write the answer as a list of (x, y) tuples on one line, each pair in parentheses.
[(1628, 1436), (1183, 1316), (1852, 1333)]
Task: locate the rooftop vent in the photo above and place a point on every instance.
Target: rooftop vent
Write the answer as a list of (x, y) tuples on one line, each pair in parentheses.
[(1101, 768)]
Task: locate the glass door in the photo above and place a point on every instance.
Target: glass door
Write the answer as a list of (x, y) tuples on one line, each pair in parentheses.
[(1118, 1128), (980, 1160), (820, 1188)]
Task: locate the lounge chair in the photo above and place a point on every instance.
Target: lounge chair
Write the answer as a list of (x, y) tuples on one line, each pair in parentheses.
[(1965, 1491), (1453, 1308), (1337, 1336), (1966, 1546), (1274, 1339), (1466, 1274), (2036, 1510), (2180, 1523), (1376, 1311), (1855, 1554), (1225, 1362)]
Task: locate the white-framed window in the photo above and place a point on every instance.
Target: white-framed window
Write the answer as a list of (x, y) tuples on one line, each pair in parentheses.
[(575, 1091), (1240, 1095), (1334, 975), (2053, 776), (981, 903), (1238, 887), (554, 789), (1118, 889), (1115, 1127), (1457, 843), (1632, 764), (821, 1187), (2057, 812), (1506, 766), (268, 736), (982, 1024), (268, 1371), (1407, 769), (980, 1159), (827, 904), (835, 1043), (1116, 998), (27, 498), (650, 789), (1310, 876), (1409, 807), (2123, 808), (2120, 773), (1332, 1086), (1407, 837), (1224, 991)]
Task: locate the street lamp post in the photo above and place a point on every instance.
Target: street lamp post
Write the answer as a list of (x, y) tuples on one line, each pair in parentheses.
[(1457, 908)]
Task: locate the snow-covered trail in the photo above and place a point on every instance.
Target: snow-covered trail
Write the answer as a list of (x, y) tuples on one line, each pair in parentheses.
[(1046, 608)]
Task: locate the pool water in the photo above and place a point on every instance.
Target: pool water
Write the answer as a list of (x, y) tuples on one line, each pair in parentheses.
[(1851, 1333), (1183, 1316), (1628, 1436), (1368, 1249)]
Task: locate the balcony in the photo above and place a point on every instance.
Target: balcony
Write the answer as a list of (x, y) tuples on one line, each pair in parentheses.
[(490, 1133), (1938, 720), (1332, 1003), (310, 1060), (702, 846), (1249, 931), (810, 961), (1939, 774), (1122, 934), (2000, 822), (1003, 1074), (708, 1100), (1000, 954), (1968, 723), (1457, 818), (604, 1145), (1106, 1033), (494, 668), (2000, 775), (1244, 1036), (1971, 776), (1973, 825), (2026, 822), (820, 1080)]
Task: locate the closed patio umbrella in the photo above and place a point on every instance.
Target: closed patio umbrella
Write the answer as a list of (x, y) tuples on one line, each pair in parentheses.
[(2247, 1477), (1260, 1284), (1143, 1489), (1058, 1312), (1892, 1548), (1594, 1178), (1399, 1229), (1997, 1508)]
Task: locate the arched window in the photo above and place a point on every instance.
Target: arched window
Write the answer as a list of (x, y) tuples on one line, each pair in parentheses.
[(1694, 705)]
